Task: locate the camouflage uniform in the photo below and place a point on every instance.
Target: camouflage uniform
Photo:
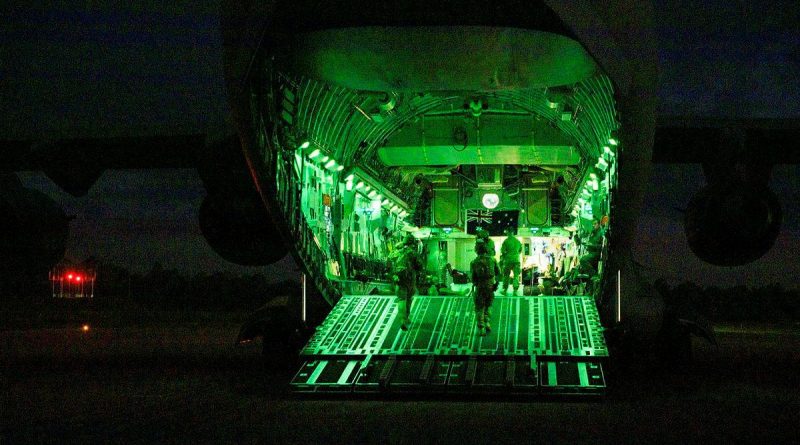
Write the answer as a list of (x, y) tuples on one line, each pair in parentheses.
[(594, 244), (405, 265), (484, 279), (509, 259)]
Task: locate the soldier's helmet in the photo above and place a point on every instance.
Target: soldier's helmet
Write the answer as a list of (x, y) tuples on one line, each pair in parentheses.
[(481, 247), (410, 240), (481, 233)]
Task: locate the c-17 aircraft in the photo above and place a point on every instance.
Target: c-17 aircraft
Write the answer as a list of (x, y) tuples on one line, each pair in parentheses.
[(358, 124)]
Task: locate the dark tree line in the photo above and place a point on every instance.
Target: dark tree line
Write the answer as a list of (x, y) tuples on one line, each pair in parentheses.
[(162, 288)]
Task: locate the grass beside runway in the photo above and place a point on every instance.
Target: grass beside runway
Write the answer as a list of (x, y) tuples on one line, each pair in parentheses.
[(178, 378)]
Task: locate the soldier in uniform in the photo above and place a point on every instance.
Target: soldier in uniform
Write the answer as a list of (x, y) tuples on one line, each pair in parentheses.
[(405, 266), (594, 245), (509, 259), (484, 279)]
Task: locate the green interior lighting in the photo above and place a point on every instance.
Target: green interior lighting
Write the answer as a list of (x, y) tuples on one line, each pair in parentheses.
[(402, 141)]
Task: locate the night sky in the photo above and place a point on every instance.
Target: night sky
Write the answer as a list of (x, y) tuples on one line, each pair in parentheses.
[(103, 71)]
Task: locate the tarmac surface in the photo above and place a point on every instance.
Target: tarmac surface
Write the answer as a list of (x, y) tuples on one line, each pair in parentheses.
[(184, 382)]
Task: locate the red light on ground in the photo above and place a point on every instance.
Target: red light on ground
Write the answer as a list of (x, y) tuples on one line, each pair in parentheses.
[(78, 278), (85, 328), (69, 277)]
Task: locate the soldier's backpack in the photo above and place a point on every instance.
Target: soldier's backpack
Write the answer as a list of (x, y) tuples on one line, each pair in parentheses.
[(482, 269), (404, 263)]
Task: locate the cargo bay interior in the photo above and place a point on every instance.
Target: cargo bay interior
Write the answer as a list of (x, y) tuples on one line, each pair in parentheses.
[(359, 170)]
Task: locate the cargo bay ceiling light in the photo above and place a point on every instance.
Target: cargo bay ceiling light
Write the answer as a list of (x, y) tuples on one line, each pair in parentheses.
[(490, 200)]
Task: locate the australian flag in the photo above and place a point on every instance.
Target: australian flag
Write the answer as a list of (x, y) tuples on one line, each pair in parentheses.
[(478, 218), (503, 219), (494, 222)]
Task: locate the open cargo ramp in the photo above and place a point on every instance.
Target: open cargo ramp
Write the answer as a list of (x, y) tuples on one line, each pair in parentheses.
[(539, 345)]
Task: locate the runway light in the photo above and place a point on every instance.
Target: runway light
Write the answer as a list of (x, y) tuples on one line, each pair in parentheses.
[(325, 159), (305, 145), (359, 185), (330, 163), (490, 200), (85, 328), (371, 194), (385, 202), (314, 153), (350, 177), (613, 141), (340, 168)]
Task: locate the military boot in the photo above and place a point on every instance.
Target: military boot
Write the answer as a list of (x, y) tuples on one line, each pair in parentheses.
[(402, 312), (480, 321)]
